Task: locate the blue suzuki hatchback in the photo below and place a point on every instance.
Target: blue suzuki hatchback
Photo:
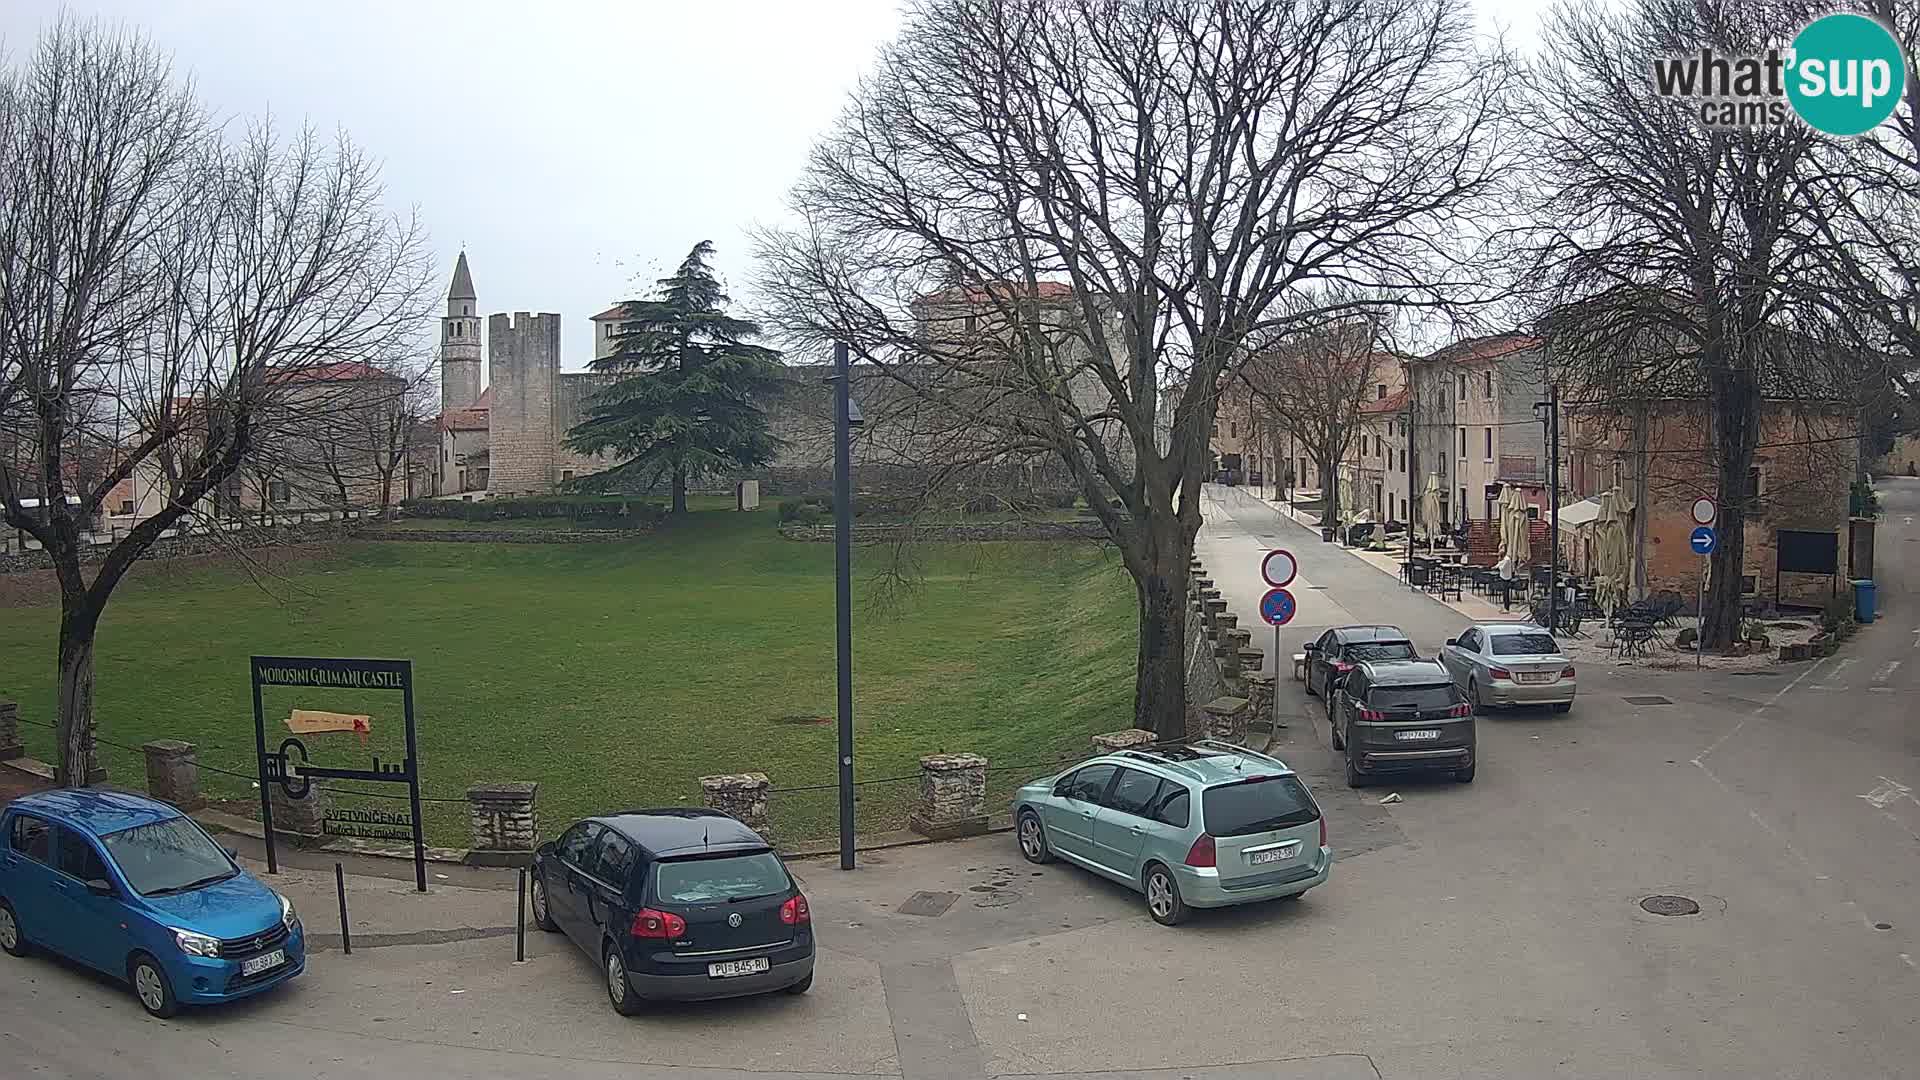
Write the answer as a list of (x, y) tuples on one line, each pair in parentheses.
[(137, 889)]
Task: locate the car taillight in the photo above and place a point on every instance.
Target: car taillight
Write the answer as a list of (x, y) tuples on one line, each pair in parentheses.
[(1342, 666), (1462, 709), (1201, 853), (648, 923), (795, 911), (1500, 673), (1372, 714), (1567, 673), (1323, 830)]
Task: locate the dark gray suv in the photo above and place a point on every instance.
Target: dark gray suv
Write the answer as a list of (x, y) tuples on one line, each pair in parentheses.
[(1391, 716)]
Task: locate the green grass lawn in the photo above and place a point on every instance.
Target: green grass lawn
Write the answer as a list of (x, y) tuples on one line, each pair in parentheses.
[(617, 674)]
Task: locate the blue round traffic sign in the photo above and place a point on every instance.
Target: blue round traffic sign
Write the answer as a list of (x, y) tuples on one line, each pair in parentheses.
[(1702, 540), (1277, 607)]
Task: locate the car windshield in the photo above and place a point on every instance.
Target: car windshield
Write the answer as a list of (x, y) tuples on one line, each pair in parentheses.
[(1381, 650), (1391, 698), (1257, 805), (711, 881), (168, 857), (1524, 644)]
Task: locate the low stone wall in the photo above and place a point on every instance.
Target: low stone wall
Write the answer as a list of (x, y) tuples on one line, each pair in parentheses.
[(191, 545), (500, 536), (953, 532)]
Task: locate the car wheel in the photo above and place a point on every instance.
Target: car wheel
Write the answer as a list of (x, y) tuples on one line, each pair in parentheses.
[(1562, 706), (1033, 838), (1163, 897), (1465, 776), (150, 985), (619, 992), (1473, 695), (1355, 778), (1333, 731), (11, 939), (542, 917), (1310, 690), (802, 986)]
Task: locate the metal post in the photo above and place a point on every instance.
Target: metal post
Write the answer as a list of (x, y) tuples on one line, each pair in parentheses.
[(520, 924), (1553, 482), (843, 589), (1410, 495), (1700, 612), (1277, 660), (340, 886), (413, 785), (260, 770)]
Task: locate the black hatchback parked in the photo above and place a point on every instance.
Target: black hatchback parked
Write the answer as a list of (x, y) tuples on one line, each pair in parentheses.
[(682, 905)]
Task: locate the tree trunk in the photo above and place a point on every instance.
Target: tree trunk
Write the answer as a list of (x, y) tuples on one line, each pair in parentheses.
[(1736, 407), (74, 720), (1329, 495), (679, 489), (1160, 669)]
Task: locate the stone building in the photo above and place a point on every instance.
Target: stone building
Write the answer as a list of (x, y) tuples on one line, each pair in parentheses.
[(1475, 425), (508, 438)]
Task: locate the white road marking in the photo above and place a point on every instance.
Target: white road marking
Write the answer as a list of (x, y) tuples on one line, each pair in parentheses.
[(1891, 667), (1842, 664)]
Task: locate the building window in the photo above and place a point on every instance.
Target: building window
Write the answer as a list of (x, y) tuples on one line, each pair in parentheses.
[(1489, 444), (566, 476), (1465, 511), (1463, 442), (126, 506), (1379, 391), (1376, 446), (1489, 388), (1233, 426), (276, 491), (1461, 378)]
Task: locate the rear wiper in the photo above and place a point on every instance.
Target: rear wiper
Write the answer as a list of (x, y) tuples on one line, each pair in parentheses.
[(743, 899)]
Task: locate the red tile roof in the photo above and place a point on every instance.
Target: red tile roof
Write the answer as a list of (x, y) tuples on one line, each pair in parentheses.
[(339, 371), (471, 418), (615, 312), (1392, 403), (1480, 349)]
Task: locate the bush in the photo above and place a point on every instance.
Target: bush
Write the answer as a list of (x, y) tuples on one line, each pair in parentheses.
[(1838, 611), (810, 514), (587, 511), (1062, 500)]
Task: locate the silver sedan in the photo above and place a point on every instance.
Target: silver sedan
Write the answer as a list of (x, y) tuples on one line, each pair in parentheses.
[(1510, 664)]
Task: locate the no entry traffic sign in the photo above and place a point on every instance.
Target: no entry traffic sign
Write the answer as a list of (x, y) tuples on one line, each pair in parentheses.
[(1279, 568), (1277, 607)]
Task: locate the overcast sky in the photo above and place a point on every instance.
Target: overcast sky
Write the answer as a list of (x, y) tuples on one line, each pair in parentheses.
[(571, 147)]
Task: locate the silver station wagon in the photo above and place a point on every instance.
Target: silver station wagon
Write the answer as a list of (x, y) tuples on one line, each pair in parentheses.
[(1206, 824)]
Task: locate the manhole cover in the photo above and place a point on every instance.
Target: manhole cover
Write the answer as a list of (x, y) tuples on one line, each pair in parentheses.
[(1670, 905), (1649, 699), (928, 903)]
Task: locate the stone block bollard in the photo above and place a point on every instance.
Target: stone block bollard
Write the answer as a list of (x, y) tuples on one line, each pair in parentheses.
[(302, 818), (503, 816), (1227, 719), (953, 797), (1227, 659), (173, 772), (1227, 620), (1260, 699), (1213, 606), (1121, 740), (10, 745), (1250, 658), (744, 795)]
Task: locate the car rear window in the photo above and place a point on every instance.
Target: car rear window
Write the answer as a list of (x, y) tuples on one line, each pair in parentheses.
[(715, 880), (1388, 698), (1524, 644), (1381, 650), (1257, 805)]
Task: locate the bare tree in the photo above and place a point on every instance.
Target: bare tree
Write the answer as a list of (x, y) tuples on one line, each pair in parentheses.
[(1044, 215), (1312, 384), (161, 295), (1672, 249)]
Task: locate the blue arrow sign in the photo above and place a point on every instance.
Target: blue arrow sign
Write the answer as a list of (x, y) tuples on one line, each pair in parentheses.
[(1277, 607), (1702, 540)]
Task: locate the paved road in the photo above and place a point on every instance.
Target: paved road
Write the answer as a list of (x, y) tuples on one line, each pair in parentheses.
[(1483, 930)]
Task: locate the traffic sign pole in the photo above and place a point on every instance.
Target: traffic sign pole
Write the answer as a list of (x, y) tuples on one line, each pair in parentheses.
[(1277, 725), (1700, 613), (1277, 607)]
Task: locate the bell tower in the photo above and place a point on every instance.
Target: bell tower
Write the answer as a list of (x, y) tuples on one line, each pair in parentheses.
[(460, 342)]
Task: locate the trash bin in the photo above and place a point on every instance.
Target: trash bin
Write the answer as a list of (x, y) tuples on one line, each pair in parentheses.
[(1326, 536), (1863, 600)]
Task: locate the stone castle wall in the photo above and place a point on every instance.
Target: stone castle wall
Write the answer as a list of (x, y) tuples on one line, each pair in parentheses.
[(525, 367)]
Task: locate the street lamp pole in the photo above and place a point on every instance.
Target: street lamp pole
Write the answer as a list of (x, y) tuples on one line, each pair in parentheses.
[(843, 588)]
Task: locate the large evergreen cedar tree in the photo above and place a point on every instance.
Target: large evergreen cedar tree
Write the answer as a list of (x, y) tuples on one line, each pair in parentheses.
[(688, 382), (1060, 226), (174, 310)]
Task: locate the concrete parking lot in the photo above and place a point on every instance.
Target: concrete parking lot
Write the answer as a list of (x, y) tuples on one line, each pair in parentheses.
[(1492, 929)]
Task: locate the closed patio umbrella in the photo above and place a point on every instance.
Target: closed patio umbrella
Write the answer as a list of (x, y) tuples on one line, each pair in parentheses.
[(1430, 509)]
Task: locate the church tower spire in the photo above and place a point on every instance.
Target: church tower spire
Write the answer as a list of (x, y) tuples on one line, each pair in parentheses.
[(460, 342)]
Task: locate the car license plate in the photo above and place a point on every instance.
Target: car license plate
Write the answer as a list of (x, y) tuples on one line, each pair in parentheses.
[(1274, 855), (1416, 736), (1534, 676), (733, 968), (264, 962)]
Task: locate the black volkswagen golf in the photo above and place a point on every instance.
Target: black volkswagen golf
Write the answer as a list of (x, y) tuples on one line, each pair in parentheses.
[(682, 905)]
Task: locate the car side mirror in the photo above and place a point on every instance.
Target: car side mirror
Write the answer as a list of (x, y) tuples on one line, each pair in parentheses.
[(1312, 648), (1063, 790), (1453, 641), (100, 887), (231, 853)]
